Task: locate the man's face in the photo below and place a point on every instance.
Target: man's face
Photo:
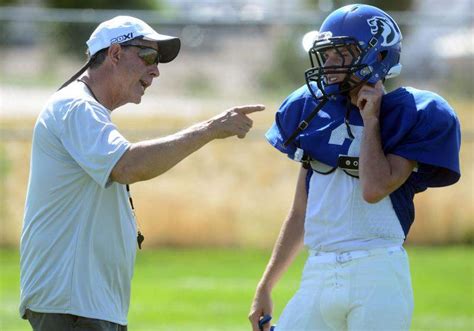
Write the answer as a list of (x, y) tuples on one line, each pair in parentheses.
[(136, 72)]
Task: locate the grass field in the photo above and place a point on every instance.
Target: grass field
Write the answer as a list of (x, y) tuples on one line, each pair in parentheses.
[(211, 289)]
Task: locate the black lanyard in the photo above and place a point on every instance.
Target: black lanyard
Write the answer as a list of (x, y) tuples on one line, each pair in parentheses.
[(140, 236)]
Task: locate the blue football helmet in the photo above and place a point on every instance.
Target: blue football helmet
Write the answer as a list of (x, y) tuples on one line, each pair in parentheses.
[(373, 40)]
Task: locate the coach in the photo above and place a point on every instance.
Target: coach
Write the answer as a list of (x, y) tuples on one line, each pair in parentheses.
[(79, 234)]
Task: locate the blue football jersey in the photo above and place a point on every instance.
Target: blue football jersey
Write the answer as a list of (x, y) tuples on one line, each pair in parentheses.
[(416, 125)]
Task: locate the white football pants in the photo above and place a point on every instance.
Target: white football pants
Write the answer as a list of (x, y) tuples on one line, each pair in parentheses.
[(360, 290)]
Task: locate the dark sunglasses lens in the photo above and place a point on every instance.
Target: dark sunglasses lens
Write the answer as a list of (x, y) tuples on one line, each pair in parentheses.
[(149, 55)]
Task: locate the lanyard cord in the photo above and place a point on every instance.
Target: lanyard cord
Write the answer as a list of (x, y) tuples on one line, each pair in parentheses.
[(346, 117), (89, 88), (140, 236)]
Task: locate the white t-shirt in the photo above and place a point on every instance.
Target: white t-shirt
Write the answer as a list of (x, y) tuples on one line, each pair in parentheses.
[(78, 242)]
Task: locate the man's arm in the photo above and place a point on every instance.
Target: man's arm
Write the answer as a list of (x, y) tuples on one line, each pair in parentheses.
[(147, 159), (379, 174), (287, 246)]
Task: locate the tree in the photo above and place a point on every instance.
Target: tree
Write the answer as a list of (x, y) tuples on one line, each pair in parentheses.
[(71, 36)]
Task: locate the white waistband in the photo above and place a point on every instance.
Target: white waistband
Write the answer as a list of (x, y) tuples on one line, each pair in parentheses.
[(332, 257)]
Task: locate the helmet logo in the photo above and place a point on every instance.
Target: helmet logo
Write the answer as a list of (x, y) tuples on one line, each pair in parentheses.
[(325, 35), (384, 27)]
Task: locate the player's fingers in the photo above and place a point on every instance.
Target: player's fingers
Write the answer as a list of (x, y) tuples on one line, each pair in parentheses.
[(367, 97), (366, 91), (255, 326), (254, 318), (265, 327), (264, 322), (361, 102), (373, 90), (248, 109)]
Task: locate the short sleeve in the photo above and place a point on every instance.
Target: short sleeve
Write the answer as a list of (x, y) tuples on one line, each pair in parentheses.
[(92, 140), (433, 141), (287, 119)]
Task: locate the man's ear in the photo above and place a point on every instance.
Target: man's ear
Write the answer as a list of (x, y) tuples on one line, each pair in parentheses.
[(114, 53)]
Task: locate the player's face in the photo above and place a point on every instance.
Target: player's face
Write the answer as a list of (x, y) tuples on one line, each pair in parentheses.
[(337, 59), (140, 68)]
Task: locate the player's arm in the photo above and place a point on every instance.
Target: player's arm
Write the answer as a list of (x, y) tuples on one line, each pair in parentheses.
[(147, 159), (287, 246), (379, 174)]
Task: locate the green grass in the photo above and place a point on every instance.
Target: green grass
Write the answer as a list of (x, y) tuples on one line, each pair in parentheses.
[(211, 289)]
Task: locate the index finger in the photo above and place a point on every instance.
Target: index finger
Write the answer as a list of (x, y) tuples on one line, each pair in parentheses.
[(248, 109), (378, 86)]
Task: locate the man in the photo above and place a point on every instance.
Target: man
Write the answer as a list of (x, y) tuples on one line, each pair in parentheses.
[(79, 234), (364, 155)]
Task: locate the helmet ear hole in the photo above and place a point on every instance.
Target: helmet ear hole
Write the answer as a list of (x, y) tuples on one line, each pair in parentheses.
[(382, 55)]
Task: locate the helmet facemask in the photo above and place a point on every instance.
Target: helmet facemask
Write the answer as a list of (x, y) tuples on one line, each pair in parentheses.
[(349, 55), (367, 31)]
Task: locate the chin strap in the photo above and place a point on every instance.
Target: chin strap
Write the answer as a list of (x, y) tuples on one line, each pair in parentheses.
[(346, 117)]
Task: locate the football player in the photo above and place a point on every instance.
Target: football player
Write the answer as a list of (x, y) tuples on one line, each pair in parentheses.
[(364, 154)]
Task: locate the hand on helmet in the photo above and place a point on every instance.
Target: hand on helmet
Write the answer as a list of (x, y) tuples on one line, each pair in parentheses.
[(369, 99)]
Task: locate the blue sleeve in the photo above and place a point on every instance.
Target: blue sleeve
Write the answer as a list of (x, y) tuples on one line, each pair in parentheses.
[(429, 133)]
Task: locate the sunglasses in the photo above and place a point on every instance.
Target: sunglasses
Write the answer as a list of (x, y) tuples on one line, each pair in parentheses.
[(147, 54)]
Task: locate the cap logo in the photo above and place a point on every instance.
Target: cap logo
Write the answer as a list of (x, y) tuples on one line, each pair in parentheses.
[(384, 27), (122, 38)]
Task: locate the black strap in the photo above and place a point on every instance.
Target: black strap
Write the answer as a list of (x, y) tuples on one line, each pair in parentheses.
[(140, 236), (304, 123), (77, 74), (346, 117), (89, 88)]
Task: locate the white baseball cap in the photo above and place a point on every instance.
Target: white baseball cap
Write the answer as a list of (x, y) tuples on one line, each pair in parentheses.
[(124, 28)]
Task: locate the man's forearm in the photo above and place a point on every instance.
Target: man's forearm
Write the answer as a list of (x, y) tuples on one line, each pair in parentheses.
[(148, 159)]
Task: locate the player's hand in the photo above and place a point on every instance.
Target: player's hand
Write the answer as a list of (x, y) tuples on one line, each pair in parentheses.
[(369, 99), (234, 121), (262, 305)]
